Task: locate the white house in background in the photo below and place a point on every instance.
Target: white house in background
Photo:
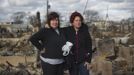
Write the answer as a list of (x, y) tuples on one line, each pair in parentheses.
[(11, 27), (6, 23)]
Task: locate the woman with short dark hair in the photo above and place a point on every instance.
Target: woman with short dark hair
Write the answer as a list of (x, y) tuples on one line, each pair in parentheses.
[(80, 55), (52, 40)]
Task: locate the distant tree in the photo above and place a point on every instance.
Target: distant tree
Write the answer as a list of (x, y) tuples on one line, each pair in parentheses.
[(18, 17), (35, 20), (91, 15), (124, 23), (32, 19)]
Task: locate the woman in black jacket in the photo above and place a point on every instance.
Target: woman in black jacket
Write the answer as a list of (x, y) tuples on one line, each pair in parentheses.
[(81, 52), (52, 40)]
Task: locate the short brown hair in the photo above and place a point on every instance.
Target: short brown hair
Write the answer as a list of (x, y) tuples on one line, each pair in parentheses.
[(74, 14), (53, 15)]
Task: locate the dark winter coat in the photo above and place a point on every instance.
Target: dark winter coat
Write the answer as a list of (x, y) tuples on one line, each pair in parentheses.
[(82, 44), (52, 42)]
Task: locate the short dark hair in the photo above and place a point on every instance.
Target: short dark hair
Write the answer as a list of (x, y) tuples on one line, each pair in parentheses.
[(74, 14), (51, 16)]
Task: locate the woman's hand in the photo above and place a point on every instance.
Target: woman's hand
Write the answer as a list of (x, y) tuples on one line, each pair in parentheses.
[(88, 65)]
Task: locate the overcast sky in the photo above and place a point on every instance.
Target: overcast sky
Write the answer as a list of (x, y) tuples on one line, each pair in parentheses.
[(118, 9)]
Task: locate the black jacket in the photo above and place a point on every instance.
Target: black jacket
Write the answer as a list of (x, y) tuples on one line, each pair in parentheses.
[(82, 45), (52, 42)]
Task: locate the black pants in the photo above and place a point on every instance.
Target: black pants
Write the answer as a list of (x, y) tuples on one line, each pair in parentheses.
[(78, 69), (49, 69)]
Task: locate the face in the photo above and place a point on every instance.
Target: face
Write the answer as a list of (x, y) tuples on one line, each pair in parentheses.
[(54, 23), (77, 22)]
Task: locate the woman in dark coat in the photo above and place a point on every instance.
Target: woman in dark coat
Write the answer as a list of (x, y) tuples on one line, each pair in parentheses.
[(80, 55), (52, 39)]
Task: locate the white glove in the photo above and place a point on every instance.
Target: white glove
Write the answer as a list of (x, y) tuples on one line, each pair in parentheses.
[(66, 48)]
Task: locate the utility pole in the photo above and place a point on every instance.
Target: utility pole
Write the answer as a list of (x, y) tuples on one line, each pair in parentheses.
[(47, 11), (47, 8), (38, 20)]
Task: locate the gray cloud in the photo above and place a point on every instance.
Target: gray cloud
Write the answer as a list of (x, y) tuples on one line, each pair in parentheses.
[(129, 0), (65, 1), (113, 1), (65, 7)]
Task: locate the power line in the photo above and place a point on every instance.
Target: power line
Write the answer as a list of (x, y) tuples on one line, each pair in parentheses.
[(85, 7)]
